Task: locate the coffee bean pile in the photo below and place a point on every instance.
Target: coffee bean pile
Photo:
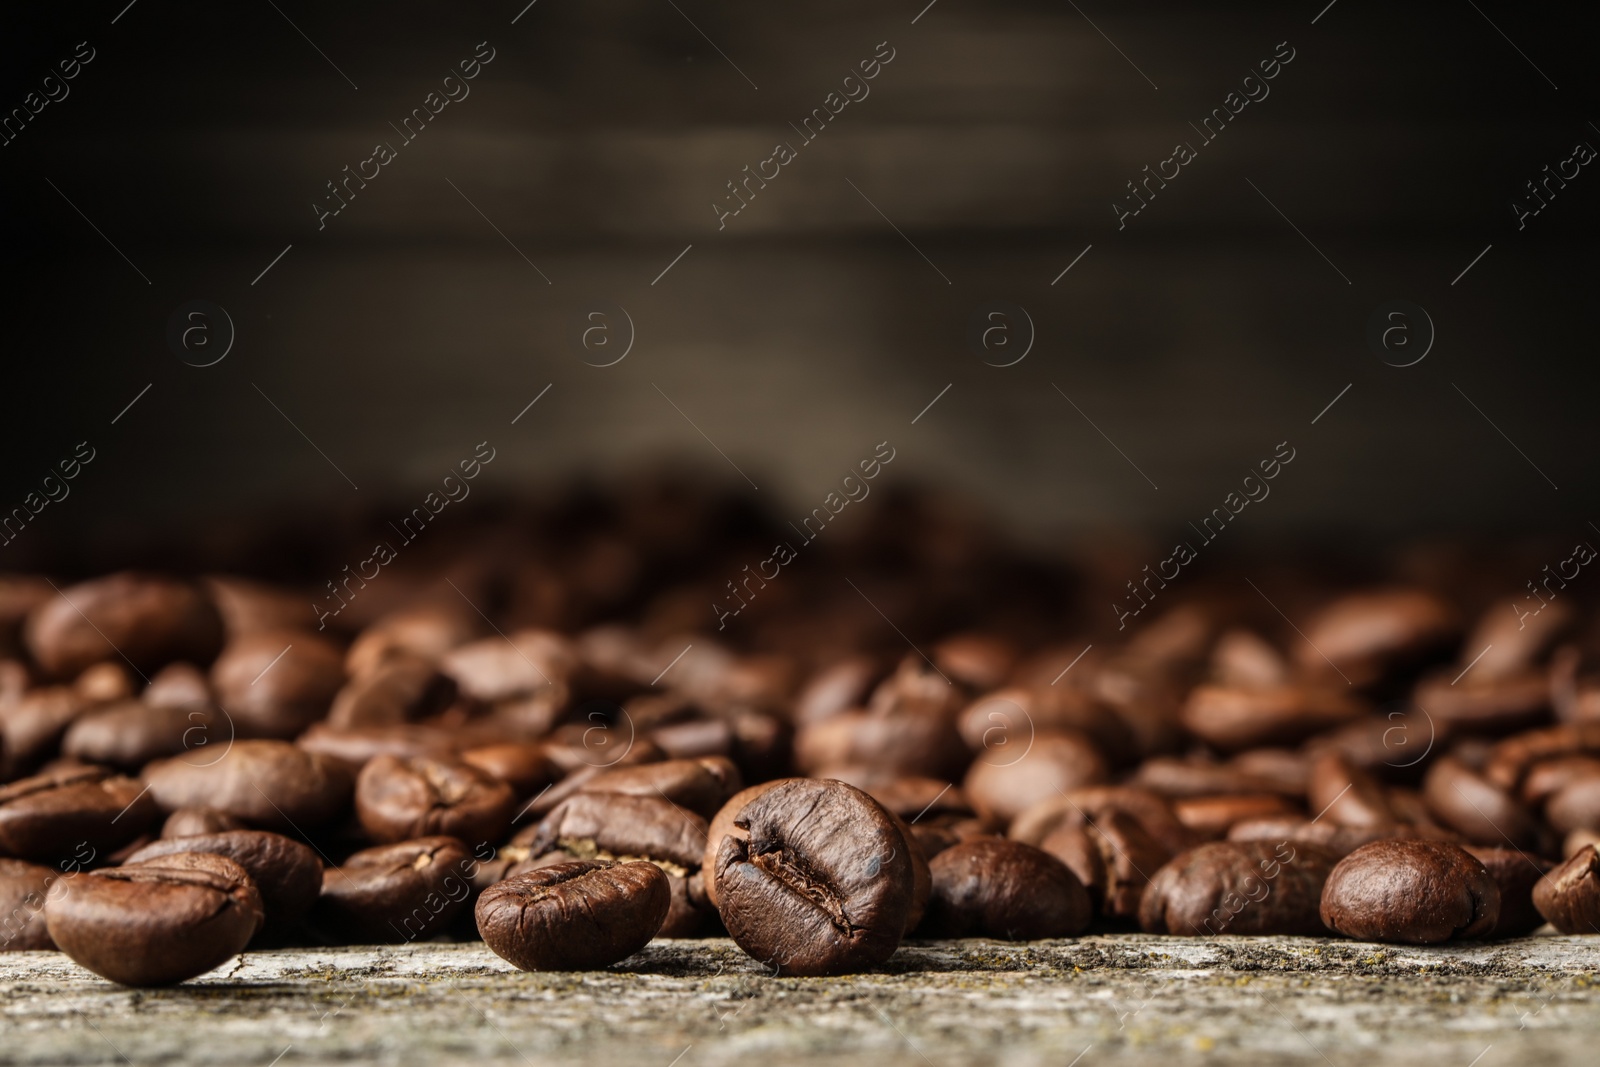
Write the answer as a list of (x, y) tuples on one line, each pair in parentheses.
[(571, 761)]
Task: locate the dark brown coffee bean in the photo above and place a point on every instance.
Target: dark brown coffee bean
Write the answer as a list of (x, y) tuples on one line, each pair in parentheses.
[(1297, 829), (1009, 778), (82, 814), (910, 740), (399, 799), (1411, 892), (31, 729), (399, 690), (576, 916), (522, 765), (1287, 771), (158, 922), (130, 733), (1467, 803), (275, 683), (1004, 889), (1515, 873), (352, 748), (1368, 635), (1481, 704), (23, 889), (724, 824), (287, 874), (1575, 806), (272, 785), (913, 797), (1113, 857), (1235, 718), (1238, 887), (396, 893), (150, 620), (1076, 807), (1569, 896), (1510, 759), (1010, 716), (188, 822), (978, 661), (1212, 817), (248, 606), (822, 884), (701, 785), (1345, 794), (619, 825)]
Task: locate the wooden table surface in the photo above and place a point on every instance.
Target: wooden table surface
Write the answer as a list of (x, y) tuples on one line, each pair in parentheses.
[(1123, 999)]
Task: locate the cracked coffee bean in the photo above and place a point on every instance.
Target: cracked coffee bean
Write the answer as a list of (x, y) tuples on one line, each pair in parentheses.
[(158, 922), (81, 813), (287, 874), (395, 894), (1238, 887), (1569, 896), (575, 916), (991, 887), (398, 799), (1412, 892), (822, 883)]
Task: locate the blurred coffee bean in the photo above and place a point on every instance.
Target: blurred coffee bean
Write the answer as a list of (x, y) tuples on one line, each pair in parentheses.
[(401, 689), (1286, 771), (1243, 659), (912, 797), (1345, 794), (104, 682), (1007, 716), (576, 916), (1547, 778), (275, 683), (1212, 817), (1370, 635), (272, 785), (701, 785), (1508, 642), (1337, 839), (500, 668), (31, 729), (395, 894), (77, 815), (189, 822), (1113, 856), (402, 798), (1235, 718), (978, 661), (523, 765), (838, 687), (351, 748), (821, 885), (130, 733), (1004, 889), (426, 631), (1468, 803), (150, 620), (1078, 807), (1011, 777), (1510, 759), (287, 874), (1411, 892), (1172, 777), (178, 685), (1483, 704), (23, 889), (248, 606), (1515, 873), (913, 739), (1238, 887), (1569, 896), (158, 922), (1575, 806)]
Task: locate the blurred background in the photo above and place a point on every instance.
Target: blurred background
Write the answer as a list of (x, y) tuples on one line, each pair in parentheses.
[(371, 350)]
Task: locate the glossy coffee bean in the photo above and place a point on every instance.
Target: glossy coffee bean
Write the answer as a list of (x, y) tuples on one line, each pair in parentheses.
[(575, 916), (724, 824), (131, 733), (287, 874), (158, 922), (822, 883), (398, 799), (396, 894), (1231, 718), (1113, 856), (84, 813), (24, 888), (1345, 794), (148, 619), (275, 683), (1467, 803), (272, 785), (700, 785), (399, 690), (1515, 873), (522, 765), (1569, 896), (1238, 887), (1412, 892), (1006, 780), (188, 822), (1004, 889), (1369, 634)]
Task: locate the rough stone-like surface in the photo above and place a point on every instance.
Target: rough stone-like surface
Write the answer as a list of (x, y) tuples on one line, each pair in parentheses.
[(1124, 999)]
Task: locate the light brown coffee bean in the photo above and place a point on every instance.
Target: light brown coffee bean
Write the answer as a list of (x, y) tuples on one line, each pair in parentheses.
[(148, 619)]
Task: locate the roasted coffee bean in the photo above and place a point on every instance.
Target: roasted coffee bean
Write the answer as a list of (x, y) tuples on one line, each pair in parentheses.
[(272, 785), (1076, 807), (1467, 803), (1008, 779), (1485, 705), (1004, 889), (839, 687), (1412, 892), (287, 874), (1013, 715), (1238, 887), (1231, 718), (1547, 778), (178, 685), (1577, 841), (1569, 896), (82, 814), (979, 661), (701, 785), (1575, 806), (398, 799), (397, 893), (401, 689), (352, 748), (909, 740), (1172, 777), (1288, 771), (724, 824), (104, 683), (1345, 794), (24, 888), (522, 765), (1213, 817), (576, 916), (1515, 873), (1366, 636), (1245, 659), (1113, 857), (147, 619), (130, 733), (1297, 829), (275, 683), (248, 606), (501, 668), (425, 631), (1510, 759), (821, 885), (1513, 641), (188, 822), (31, 729), (912, 797), (158, 922)]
